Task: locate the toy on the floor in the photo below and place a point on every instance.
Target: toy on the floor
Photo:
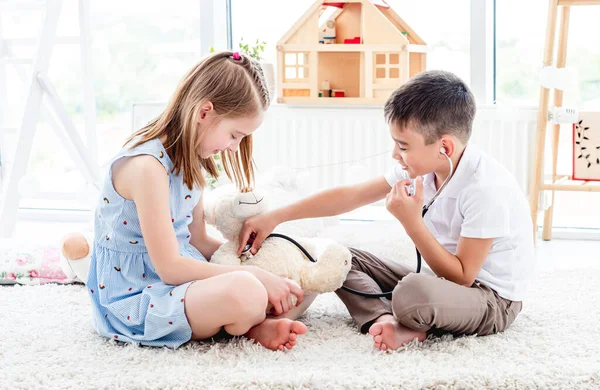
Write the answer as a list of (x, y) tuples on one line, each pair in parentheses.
[(75, 250), (277, 255)]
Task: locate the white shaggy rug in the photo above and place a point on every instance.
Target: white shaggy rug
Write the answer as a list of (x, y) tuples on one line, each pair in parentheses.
[(46, 342)]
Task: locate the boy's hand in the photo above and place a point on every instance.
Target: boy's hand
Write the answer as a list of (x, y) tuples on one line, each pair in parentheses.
[(407, 209), (255, 230)]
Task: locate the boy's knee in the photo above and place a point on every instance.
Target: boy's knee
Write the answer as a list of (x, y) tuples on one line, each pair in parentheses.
[(356, 264), (359, 261), (412, 293)]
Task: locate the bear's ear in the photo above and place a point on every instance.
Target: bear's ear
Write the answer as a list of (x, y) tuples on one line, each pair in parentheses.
[(218, 204)]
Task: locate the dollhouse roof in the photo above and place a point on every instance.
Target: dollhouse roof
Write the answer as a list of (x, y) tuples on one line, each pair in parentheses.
[(380, 16)]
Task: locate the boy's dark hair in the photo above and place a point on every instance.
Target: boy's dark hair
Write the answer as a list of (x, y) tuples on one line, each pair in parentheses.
[(435, 103)]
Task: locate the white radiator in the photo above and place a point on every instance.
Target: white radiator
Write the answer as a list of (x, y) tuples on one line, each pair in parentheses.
[(342, 145)]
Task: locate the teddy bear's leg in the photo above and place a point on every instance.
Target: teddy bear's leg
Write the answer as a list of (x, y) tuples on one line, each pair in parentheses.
[(75, 251), (297, 311)]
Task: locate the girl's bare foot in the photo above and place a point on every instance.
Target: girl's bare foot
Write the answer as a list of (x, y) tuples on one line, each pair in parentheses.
[(389, 334), (277, 334)]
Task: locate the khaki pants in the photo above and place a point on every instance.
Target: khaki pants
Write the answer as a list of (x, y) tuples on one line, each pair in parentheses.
[(423, 302)]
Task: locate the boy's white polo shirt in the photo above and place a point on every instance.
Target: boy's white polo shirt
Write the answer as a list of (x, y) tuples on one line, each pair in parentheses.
[(483, 200)]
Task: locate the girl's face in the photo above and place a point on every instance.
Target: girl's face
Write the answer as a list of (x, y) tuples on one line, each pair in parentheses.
[(226, 133)]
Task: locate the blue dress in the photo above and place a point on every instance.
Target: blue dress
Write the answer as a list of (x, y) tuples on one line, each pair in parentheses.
[(130, 303)]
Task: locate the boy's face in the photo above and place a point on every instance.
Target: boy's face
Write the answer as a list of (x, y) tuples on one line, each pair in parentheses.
[(416, 158)]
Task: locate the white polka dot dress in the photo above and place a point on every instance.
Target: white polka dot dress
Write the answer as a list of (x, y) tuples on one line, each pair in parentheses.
[(130, 302)]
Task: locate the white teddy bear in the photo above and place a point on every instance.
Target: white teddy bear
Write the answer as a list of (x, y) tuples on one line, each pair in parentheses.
[(228, 212)]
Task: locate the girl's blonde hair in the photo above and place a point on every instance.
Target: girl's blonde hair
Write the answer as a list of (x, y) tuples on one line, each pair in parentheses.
[(235, 85)]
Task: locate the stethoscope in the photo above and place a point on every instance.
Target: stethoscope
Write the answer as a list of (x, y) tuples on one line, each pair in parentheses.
[(437, 193), (411, 190)]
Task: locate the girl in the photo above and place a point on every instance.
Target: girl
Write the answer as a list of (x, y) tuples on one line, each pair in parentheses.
[(150, 280)]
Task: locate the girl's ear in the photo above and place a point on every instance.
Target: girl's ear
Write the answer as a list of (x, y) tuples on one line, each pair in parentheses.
[(205, 111)]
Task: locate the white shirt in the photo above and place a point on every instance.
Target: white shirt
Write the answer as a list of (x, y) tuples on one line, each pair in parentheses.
[(483, 200)]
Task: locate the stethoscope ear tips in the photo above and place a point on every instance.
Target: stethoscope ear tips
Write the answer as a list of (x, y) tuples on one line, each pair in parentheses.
[(410, 189)]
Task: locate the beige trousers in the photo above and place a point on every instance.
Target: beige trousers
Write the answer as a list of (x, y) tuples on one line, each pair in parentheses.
[(423, 302)]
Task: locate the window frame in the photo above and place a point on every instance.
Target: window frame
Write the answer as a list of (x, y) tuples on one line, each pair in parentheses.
[(296, 66)]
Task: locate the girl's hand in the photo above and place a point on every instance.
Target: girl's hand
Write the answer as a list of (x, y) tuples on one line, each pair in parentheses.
[(255, 230), (279, 290)]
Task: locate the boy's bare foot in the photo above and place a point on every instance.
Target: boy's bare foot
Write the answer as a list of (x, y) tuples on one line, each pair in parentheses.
[(277, 334), (389, 334)]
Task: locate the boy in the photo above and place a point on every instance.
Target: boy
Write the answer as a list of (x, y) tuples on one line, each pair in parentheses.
[(475, 238)]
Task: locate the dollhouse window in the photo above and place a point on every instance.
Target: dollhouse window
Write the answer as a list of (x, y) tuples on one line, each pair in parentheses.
[(387, 65), (296, 66)]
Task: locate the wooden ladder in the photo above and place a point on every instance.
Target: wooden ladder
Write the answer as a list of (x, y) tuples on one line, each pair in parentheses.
[(564, 182)]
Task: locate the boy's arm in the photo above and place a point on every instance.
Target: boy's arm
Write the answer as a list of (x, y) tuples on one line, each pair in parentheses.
[(206, 244), (323, 204), (335, 201), (461, 268), (485, 217)]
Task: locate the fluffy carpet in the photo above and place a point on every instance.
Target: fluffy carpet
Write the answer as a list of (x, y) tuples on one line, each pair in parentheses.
[(47, 342)]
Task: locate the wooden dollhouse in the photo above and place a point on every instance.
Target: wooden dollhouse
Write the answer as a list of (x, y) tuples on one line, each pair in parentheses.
[(349, 52)]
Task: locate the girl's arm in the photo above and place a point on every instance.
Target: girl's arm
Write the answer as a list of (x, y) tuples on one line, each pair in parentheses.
[(206, 244), (143, 180)]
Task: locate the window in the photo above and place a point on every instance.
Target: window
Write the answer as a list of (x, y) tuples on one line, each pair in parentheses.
[(296, 66), (520, 44), (266, 20), (387, 65), (445, 26), (519, 52), (139, 54)]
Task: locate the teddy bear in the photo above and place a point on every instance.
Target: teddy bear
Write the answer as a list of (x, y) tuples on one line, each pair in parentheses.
[(226, 211), (227, 214)]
